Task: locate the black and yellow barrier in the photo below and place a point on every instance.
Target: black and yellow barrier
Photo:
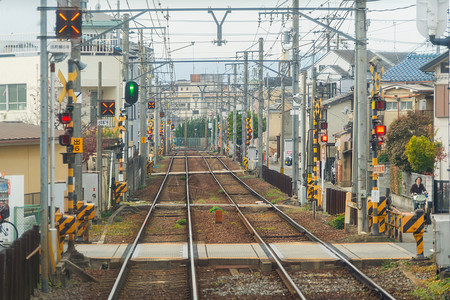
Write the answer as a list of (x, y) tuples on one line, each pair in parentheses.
[(65, 224), (84, 213), (245, 162), (415, 223), (119, 188), (311, 190)]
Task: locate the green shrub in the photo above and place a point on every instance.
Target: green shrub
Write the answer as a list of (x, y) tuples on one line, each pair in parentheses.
[(181, 222), (107, 214), (214, 208), (183, 178), (338, 222)]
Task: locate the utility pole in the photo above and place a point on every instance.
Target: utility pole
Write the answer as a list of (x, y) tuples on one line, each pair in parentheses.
[(303, 181), (267, 127), (44, 149), (282, 125), (125, 74), (78, 171), (143, 113), (361, 94), (311, 119), (234, 111), (260, 106), (99, 134), (245, 99), (295, 68)]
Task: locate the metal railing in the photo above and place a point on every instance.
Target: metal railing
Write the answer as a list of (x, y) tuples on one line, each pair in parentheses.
[(28, 43)]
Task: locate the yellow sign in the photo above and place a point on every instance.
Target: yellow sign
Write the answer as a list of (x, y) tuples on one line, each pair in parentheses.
[(143, 140), (77, 145), (72, 77), (119, 124)]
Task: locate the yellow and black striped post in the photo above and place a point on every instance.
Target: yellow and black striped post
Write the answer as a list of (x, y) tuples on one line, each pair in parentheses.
[(370, 214), (66, 224), (415, 224), (245, 161), (119, 189), (84, 213), (71, 156)]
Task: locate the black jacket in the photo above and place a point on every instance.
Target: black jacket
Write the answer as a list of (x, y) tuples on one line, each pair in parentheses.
[(417, 189)]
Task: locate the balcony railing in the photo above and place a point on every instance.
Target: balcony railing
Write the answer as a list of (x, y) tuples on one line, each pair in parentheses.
[(28, 44)]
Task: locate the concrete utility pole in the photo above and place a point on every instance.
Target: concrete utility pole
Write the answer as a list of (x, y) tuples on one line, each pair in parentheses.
[(303, 141), (245, 99), (260, 106), (143, 111), (234, 110), (267, 127), (282, 125), (363, 106), (77, 170), (156, 135), (295, 68), (44, 150), (216, 122), (125, 74), (99, 134)]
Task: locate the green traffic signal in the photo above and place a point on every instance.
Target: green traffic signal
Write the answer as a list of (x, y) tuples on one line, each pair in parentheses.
[(131, 92)]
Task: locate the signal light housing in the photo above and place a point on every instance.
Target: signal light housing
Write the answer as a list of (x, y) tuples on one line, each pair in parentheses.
[(324, 138), (324, 125), (108, 108), (69, 22), (131, 92), (380, 105), (65, 139), (380, 130), (65, 117)]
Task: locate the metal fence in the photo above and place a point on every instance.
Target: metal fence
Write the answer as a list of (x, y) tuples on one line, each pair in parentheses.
[(26, 217), (335, 201), (281, 181), (19, 267)]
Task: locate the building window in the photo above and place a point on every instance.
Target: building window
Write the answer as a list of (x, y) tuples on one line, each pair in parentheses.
[(13, 96), (391, 105), (406, 105)]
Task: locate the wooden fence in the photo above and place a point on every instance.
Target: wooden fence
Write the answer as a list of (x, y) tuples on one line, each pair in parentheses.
[(281, 181), (19, 267)]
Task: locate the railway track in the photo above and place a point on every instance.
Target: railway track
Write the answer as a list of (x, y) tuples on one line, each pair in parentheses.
[(298, 283), (177, 283)]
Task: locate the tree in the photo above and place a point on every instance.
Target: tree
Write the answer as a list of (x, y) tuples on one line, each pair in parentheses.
[(399, 134), (421, 154)]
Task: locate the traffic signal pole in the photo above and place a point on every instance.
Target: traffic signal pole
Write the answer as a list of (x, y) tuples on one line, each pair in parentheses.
[(143, 113), (70, 156), (99, 161), (260, 107)]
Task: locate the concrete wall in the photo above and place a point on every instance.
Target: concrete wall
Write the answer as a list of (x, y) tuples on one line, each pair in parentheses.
[(25, 160), (336, 119)]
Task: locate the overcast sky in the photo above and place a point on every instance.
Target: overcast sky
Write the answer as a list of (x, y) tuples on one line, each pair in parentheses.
[(391, 27)]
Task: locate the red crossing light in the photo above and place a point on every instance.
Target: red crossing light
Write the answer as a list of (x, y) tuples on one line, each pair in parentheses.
[(324, 138), (65, 118), (380, 130)]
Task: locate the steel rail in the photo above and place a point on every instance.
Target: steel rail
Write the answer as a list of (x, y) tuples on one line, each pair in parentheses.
[(352, 268), (114, 294), (194, 288), (285, 277)]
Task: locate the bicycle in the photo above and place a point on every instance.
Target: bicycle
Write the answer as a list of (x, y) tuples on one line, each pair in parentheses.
[(8, 233)]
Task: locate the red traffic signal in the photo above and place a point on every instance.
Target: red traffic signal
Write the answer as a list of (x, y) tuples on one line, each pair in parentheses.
[(324, 125), (380, 130), (68, 22), (324, 138)]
